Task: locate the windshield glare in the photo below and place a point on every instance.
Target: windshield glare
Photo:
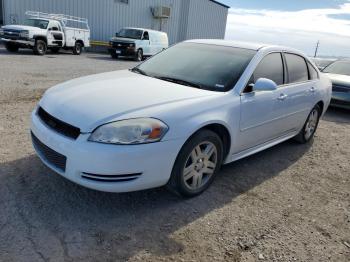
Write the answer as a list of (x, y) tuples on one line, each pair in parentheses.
[(37, 23), (339, 68), (130, 33), (211, 67)]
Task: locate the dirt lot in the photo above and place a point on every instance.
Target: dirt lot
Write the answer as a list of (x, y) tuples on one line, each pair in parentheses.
[(289, 203)]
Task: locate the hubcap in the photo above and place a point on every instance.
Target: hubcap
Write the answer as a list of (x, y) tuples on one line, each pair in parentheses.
[(311, 124), (200, 165), (41, 48)]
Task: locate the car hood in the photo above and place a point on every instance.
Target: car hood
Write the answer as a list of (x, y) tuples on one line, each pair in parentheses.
[(21, 27), (91, 101), (343, 80), (123, 39)]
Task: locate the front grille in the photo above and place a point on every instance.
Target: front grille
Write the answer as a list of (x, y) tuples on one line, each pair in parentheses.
[(111, 178), (49, 155), (120, 45), (340, 88), (58, 125), (11, 34)]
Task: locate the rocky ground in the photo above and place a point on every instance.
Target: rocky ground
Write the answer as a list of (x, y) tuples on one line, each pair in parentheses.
[(289, 203)]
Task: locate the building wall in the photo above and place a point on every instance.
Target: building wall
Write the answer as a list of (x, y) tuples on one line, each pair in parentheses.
[(106, 17)]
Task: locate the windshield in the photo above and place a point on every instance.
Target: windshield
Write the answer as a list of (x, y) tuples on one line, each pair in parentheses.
[(37, 23), (130, 33), (339, 68), (210, 67)]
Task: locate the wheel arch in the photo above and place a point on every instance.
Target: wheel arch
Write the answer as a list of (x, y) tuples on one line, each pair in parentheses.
[(222, 130), (80, 42), (40, 37), (321, 105)]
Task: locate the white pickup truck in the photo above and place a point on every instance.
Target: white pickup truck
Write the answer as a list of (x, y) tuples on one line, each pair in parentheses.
[(42, 32)]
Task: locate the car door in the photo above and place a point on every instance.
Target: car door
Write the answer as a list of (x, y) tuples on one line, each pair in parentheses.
[(297, 93), (260, 119), (56, 34)]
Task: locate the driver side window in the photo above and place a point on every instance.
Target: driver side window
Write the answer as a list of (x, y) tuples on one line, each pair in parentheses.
[(145, 36), (270, 67)]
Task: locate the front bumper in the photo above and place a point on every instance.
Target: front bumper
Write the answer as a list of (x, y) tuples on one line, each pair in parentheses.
[(20, 42), (148, 165), (341, 99), (122, 52)]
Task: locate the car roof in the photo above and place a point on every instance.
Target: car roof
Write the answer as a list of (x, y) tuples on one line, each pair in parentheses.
[(143, 29), (245, 45)]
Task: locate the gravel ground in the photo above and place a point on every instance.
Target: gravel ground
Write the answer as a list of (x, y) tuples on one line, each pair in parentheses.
[(289, 203)]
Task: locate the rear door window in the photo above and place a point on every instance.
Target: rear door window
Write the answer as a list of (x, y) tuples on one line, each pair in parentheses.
[(297, 68), (271, 67)]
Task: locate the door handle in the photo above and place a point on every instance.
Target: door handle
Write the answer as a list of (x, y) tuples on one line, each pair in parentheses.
[(282, 97), (312, 90)]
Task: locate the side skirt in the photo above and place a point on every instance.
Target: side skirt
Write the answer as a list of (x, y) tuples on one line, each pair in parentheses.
[(260, 147)]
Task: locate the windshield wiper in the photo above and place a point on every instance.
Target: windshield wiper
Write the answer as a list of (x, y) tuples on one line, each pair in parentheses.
[(139, 71), (180, 81)]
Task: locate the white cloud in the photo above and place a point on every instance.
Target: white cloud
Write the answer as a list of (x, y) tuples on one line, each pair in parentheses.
[(300, 29)]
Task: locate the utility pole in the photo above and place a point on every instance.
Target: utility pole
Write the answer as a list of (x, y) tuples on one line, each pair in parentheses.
[(317, 46)]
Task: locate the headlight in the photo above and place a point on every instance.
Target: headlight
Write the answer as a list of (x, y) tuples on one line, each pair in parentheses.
[(24, 34), (132, 131), (1, 31)]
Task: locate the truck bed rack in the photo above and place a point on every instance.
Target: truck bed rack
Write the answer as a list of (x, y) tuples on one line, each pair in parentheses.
[(65, 19)]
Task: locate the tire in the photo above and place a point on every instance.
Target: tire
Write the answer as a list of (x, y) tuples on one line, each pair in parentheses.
[(78, 48), (55, 50), (139, 55), (194, 161), (114, 55), (308, 131), (40, 47), (11, 47)]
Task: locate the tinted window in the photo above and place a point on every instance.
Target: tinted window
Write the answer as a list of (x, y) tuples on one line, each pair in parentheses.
[(271, 67), (312, 71), (211, 67), (297, 68)]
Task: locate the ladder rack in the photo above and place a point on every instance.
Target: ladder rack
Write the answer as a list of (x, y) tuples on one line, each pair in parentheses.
[(60, 17)]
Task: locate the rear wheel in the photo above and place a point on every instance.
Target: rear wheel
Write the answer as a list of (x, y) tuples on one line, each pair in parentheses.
[(40, 47), (11, 47), (309, 129), (78, 48), (197, 164)]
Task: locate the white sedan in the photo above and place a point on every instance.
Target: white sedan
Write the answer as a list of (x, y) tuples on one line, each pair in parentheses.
[(176, 118)]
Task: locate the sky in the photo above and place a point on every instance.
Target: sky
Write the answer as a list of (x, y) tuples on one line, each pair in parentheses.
[(296, 23)]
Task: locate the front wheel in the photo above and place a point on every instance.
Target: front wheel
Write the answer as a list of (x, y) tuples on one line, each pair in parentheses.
[(11, 47), (40, 47), (139, 55), (77, 49), (197, 164), (309, 129)]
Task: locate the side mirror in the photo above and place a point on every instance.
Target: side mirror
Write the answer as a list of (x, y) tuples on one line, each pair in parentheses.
[(264, 84), (116, 34)]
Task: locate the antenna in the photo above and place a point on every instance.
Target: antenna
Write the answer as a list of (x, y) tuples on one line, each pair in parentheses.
[(317, 46)]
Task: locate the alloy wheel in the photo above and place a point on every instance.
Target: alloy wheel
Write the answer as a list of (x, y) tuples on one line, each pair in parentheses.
[(200, 165), (311, 124)]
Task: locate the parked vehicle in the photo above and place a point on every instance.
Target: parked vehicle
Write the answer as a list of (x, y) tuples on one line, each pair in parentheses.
[(176, 123), (321, 63), (339, 73), (137, 43), (42, 31)]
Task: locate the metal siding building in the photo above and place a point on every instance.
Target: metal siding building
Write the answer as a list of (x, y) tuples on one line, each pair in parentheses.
[(188, 19)]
